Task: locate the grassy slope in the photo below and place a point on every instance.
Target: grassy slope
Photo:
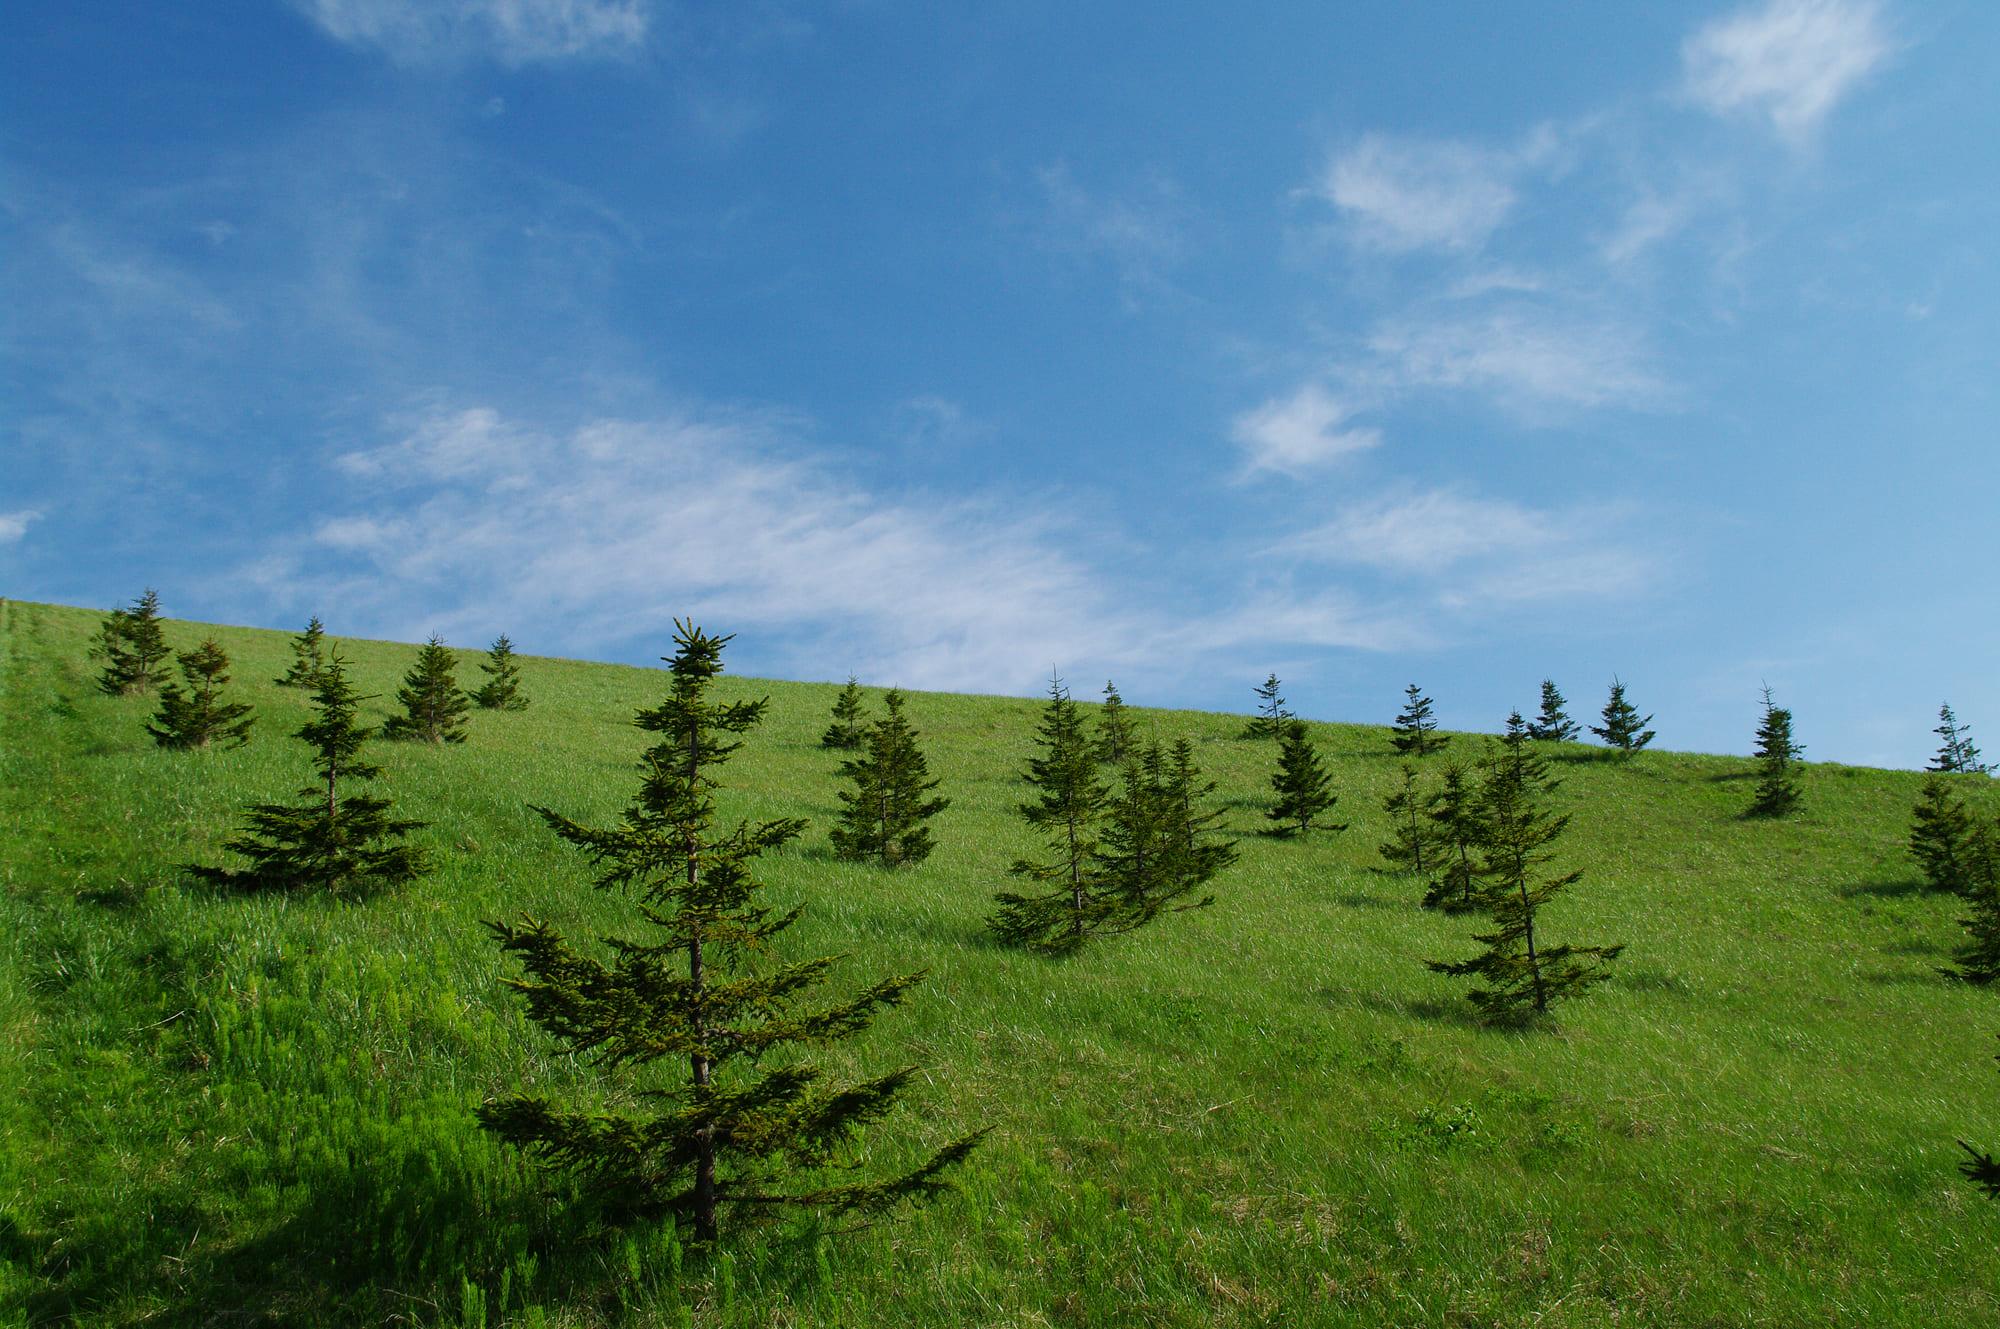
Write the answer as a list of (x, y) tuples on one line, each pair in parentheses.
[(235, 1110)]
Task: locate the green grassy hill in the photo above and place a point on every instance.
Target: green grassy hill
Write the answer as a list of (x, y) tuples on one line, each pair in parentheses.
[(218, 1109)]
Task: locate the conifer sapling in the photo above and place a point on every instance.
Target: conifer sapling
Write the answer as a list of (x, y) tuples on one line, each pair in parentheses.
[(1553, 725), (1777, 762), (198, 717), (502, 689), (1957, 755), (1623, 728), (701, 1015), (1158, 843), (1943, 837), (308, 657), (1301, 782), (1069, 803), (1114, 729), (1413, 843), (329, 842), (133, 645), (433, 706), (884, 814), (1456, 819), (1271, 714), (1416, 728), (847, 730)]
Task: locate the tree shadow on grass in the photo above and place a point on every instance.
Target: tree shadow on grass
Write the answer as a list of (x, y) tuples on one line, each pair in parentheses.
[(1893, 890), (1355, 901), (1422, 1008)]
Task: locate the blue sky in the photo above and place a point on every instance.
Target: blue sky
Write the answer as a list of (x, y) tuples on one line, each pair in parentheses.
[(1173, 344)]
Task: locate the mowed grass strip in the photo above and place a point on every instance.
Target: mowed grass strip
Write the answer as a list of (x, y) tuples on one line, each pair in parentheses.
[(239, 1109)]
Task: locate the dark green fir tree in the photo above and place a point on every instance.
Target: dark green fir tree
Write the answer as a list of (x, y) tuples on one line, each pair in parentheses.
[(1777, 758), (883, 816), (1521, 975), (1114, 729), (705, 1023), (1943, 837), (1070, 904), (1623, 728), (1269, 721), (1978, 959), (1957, 755), (309, 650), (198, 716), (1553, 725), (1413, 843), (328, 842), (1159, 844), (133, 645), (848, 730), (1416, 732), (434, 706), (1458, 823), (502, 689), (1302, 783)]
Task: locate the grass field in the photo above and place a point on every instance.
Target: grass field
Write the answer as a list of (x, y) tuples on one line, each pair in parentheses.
[(219, 1109)]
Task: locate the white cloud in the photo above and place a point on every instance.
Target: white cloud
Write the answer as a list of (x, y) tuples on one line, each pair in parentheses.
[(1788, 61), (605, 532), (1141, 231), (1475, 551), (514, 32), (1404, 195), (1527, 358), (1298, 433), (14, 525)]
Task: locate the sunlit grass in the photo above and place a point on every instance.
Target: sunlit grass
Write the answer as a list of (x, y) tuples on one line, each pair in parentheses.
[(225, 1108)]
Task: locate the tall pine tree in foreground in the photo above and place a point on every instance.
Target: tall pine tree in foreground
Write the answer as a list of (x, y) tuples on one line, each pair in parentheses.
[(1522, 975), (884, 814), (1957, 755), (1301, 782), (1269, 721), (502, 689), (1114, 729), (133, 645), (1460, 828), (848, 730), (329, 842), (1553, 725), (433, 706), (1071, 904), (309, 650), (1623, 727), (1777, 764), (706, 1020), (1416, 732), (199, 716)]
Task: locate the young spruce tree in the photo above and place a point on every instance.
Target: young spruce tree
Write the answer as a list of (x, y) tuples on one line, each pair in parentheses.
[(734, 1109), (1157, 846), (1456, 815), (848, 730), (1413, 843), (1943, 837), (1777, 764), (433, 705), (309, 650), (1301, 782), (1070, 801), (886, 810), (1958, 755), (133, 645), (1416, 732), (1553, 725), (502, 689), (1114, 729), (198, 717), (1623, 728), (327, 843), (1269, 721), (1978, 960), (1521, 973)]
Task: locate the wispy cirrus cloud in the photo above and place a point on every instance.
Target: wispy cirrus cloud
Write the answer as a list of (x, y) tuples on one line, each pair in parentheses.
[(513, 32), (1530, 358), (1142, 231), (1298, 433), (1403, 194), (1787, 62)]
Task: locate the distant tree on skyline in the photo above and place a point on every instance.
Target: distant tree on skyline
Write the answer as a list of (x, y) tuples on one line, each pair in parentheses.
[(133, 645), (502, 689), (1777, 763), (848, 730), (1943, 837), (1271, 714), (1623, 728), (1553, 725), (1416, 727), (309, 657), (1957, 756)]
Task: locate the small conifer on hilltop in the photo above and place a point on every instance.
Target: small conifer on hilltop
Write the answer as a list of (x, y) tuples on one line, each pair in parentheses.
[(330, 842), (1623, 728), (308, 657), (1943, 837), (1114, 729), (502, 689), (1269, 721), (847, 730), (884, 814), (133, 645), (433, 705), (1416, 732), (1777, 763), (1301, 782), (702, 1001), (1068, 806), (1957, 755), (1553, 725), (198, 717)]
